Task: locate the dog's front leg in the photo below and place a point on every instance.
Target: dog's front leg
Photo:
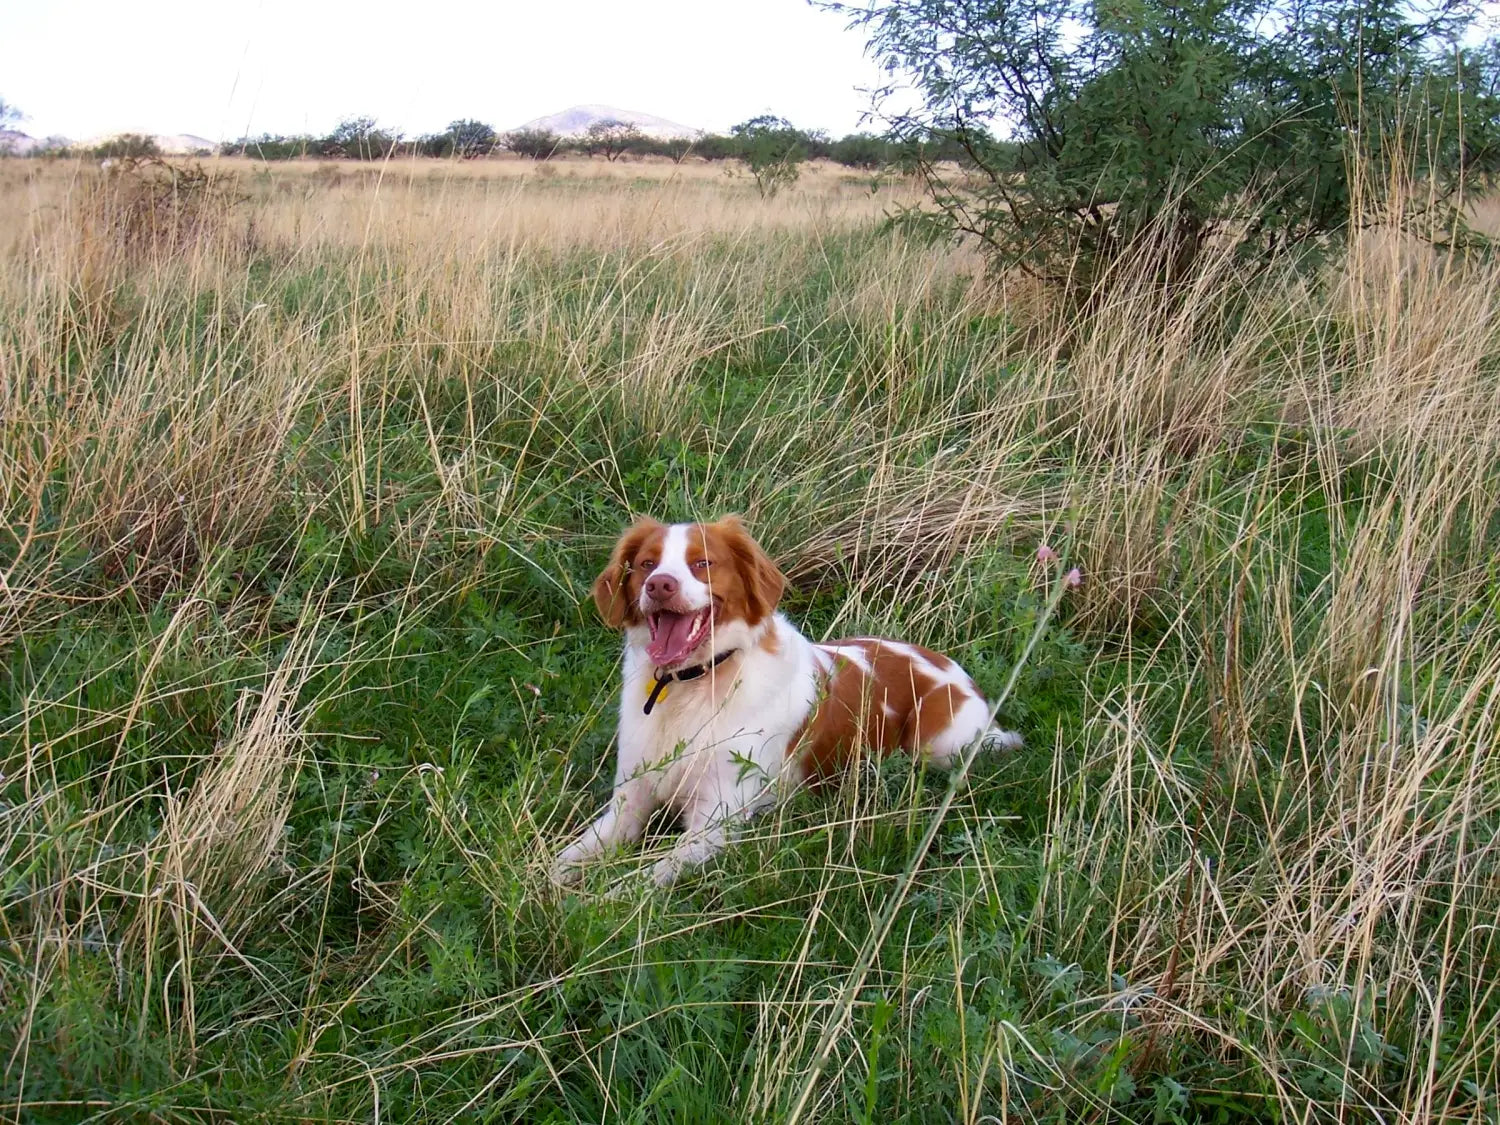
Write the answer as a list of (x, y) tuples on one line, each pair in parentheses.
[(693, 850), (708, 826), (622, 822)]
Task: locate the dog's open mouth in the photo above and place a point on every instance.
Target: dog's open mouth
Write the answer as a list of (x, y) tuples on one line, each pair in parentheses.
[(674, 635)]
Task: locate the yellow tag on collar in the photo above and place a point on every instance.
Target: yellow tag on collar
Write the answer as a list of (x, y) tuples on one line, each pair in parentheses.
[(650, 686)]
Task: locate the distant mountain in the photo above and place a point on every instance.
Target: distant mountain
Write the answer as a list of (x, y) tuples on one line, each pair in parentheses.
[(575, 121), (172, 144), (16, 143)]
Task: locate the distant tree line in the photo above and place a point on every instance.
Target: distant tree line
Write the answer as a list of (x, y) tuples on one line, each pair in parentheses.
[(772, 147), (761, 142)]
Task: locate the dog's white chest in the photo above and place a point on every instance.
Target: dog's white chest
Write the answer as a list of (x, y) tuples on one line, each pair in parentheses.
[(712, 736), (693, 741)]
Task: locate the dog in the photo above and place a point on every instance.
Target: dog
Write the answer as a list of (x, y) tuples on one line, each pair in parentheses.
[(724, 702)]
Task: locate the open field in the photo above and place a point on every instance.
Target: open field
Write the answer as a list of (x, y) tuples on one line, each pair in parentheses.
[(305, 480)]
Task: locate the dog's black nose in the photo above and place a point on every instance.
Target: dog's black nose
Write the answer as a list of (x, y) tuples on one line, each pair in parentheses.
[(661, 587)]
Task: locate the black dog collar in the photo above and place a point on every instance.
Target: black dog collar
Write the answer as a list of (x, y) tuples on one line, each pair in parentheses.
[(682, 675)]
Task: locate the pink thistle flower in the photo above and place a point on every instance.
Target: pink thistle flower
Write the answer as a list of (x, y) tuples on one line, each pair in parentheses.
[(1073, 579), (1045, 554)]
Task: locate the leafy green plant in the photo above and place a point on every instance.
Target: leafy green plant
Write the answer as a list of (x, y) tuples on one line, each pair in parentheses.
[(773, 150), (1163, 129), (465, 138), (611, 138), (360, 138), (128, 146), (534, 144)]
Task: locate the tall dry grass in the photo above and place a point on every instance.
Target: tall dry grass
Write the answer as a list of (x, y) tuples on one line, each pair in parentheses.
[(1281, 793)]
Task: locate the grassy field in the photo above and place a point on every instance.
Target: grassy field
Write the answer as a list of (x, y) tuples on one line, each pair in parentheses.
[(306, 472)]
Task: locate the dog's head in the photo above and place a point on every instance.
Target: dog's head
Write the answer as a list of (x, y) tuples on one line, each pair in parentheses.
[(687, 591)]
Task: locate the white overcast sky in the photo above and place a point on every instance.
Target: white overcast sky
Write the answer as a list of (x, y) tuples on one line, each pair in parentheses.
[(80, 68)]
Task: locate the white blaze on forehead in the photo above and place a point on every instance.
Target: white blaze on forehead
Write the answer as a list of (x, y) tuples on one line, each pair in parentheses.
[(692, 593), (674, 552)]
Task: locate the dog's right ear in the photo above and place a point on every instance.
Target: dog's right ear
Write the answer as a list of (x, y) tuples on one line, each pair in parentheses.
[(760, 578), (611, 588)]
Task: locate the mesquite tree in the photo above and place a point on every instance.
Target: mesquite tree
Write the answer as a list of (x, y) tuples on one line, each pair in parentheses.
[(1090, 129)]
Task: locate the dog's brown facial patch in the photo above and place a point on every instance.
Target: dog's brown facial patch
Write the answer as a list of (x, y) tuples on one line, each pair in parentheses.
[(743, 581), (617, 590)]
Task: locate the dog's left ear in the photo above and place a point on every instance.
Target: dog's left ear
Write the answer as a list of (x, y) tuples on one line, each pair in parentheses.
[(764, 583), (609, 588)]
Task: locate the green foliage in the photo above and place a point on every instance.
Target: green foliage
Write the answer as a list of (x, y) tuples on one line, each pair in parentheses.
[(715, 147), (611, 139), (360, 138), (271, 146), (774, 151), (676, 148), (862, 150), (127, 146), (468, 139), (535, 144), (464, 138), (1175, 125)]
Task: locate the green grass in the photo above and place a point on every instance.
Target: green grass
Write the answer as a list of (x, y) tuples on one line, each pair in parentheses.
[(300, 686)]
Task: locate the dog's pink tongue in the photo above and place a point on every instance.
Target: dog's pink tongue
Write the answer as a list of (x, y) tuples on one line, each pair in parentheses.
[(670, 634)]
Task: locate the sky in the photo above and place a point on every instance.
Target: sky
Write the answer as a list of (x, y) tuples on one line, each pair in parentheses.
[(82, 68)]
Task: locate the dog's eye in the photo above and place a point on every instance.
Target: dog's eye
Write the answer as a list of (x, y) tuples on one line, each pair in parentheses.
[(645, 564), (701, 564)]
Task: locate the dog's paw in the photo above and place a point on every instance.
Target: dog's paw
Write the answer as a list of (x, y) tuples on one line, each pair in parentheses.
[(565, 873), (997, 739), (666, 871), (627, 888)]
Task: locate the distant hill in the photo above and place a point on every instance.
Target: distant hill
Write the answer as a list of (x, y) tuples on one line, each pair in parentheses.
[(16, 143), (172, 144), (575, 121)]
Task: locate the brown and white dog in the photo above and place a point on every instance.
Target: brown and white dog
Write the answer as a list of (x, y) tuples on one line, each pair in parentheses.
[(724, 700)]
